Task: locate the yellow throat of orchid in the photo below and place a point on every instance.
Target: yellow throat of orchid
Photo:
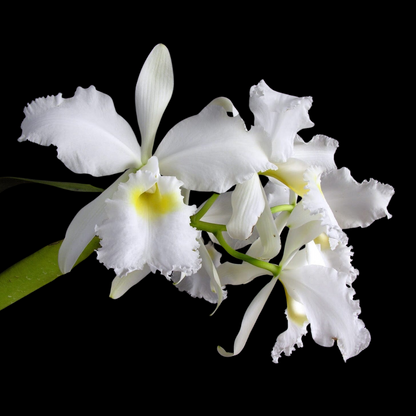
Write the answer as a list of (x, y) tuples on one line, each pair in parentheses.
[(152, 204)]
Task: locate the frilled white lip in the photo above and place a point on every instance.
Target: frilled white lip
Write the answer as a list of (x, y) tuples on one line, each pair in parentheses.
[(147, 223), (323, 297)]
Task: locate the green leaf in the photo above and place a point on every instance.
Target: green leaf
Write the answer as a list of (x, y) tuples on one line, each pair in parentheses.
[(9, 181), (35, 271)]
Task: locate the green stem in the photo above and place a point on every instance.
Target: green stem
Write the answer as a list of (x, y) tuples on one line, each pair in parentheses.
[(208, 204), (208, 226), (283, 207), (218, 229), (274, 269)]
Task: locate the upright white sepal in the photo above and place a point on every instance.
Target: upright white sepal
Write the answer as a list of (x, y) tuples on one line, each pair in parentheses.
[(153, 92)]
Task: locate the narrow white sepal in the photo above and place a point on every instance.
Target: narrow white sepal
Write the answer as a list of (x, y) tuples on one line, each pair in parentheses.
[(250, 318), (120, 285), (248, 203), (81, 230), (153, 92)]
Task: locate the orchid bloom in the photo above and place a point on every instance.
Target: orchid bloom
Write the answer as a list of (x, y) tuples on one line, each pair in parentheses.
[(141, 219), (317, 278)]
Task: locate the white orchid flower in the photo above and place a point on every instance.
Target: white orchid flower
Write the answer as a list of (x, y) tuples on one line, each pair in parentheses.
[(317, 279), (302, 166), (141, 218)]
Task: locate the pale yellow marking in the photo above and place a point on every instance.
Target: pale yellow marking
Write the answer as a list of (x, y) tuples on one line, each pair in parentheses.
[(153, 204)]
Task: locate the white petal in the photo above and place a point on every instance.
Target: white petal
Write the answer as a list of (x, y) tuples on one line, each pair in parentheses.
[(303, 228), (82, 228), (329, 305), (197, 151), (297, 327), (220, 213), (340, 259), (91, 137), (249, 319), (277, 193), (153, 92), (315, 202), (226, 104), (300, 216), (239, 274), (281, 116), (319, 151), (205, 282), (148, 223), (248, 204), (120, 285), (268, 245), (355, 204), (291, 173)]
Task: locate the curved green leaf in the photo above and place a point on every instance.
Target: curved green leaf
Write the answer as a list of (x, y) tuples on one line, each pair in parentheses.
[(9, 181), (35, 271)]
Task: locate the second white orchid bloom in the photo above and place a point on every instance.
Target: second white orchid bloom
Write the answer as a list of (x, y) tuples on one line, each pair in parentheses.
[(142, 221), (316, 269)]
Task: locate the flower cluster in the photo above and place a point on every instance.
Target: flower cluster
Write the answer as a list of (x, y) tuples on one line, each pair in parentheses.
[(278, 205)]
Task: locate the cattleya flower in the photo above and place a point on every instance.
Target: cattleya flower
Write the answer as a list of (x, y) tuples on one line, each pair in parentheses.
[(316, 269), (141, 219)]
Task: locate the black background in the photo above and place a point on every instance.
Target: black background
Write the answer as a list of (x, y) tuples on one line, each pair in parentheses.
[(69, 338)]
